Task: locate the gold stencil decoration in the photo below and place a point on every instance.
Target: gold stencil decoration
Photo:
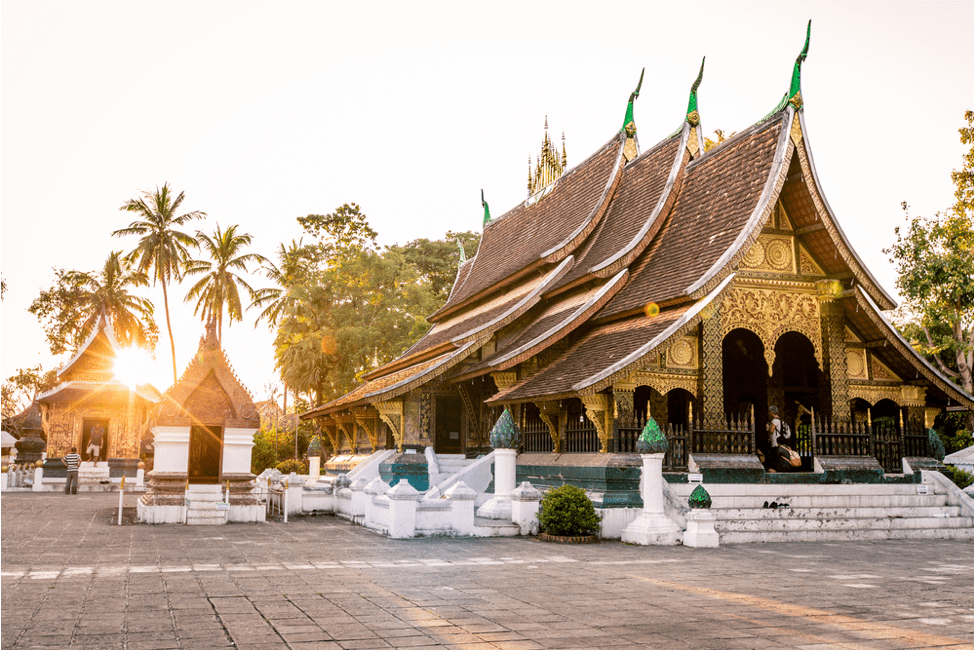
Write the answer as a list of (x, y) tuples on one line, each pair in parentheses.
[(784, 223), (692, 144), (851, 336), (663, 383), (873, 394), (807, 264), (881, 372), (681, 353), (796, 126), (754, 257), (770, 314), (629, 150), (856, 363), (778, 255), (770, 253)]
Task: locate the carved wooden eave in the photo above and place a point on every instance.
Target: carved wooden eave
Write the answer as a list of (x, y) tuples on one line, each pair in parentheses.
[(209, 371), (922, 366), (845, 250)]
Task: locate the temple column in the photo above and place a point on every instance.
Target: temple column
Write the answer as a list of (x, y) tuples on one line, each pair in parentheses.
[(625, 410), (913, 399), (834, 362), (711, 389)]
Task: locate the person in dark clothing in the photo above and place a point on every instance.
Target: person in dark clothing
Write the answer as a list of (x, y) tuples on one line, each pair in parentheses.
[(72, 461)]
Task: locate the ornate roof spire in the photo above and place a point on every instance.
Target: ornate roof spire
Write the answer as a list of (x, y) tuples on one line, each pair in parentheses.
[(550, 165), (693, 115), (486, 220), (795, 92), (632, 98), (630, 150)]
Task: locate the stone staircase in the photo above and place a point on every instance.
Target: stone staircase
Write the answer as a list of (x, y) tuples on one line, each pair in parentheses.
[(495, 528), (824, 512), (202, 506)]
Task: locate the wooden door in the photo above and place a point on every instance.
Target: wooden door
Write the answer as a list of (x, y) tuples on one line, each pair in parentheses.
[(205, 454)]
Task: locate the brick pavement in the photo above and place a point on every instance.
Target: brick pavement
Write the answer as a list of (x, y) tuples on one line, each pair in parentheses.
[(70, 578)]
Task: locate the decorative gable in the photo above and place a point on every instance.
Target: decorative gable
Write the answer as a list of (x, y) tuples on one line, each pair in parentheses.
[(770, 253), (807, 264)]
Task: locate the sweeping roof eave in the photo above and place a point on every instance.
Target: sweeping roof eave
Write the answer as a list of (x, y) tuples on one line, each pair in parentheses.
[(102, 326), (79, 389), (555, 226), (577, 317), (374, 390), (749, 233), (882, 297), (903, 346)]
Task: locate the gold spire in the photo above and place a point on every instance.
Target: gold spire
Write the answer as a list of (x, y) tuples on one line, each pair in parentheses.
[(550, 165)]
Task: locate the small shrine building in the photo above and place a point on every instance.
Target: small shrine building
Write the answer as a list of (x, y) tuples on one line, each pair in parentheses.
[(91, 398), (203, 432), (696, 286)]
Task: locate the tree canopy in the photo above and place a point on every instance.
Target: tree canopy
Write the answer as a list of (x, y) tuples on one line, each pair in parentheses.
[(934, 257)]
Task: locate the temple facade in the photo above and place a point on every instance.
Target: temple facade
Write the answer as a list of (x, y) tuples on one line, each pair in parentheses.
[(89, 399), (698, 287)]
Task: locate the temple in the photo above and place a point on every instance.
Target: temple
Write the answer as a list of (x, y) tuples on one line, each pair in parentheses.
[(698, 287), (90, 398)]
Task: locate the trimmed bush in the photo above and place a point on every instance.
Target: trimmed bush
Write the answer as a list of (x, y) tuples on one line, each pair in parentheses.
[(960, 478), (292, 465), (568, 512)]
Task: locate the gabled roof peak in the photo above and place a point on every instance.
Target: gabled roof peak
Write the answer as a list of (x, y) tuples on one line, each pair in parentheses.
[(794, 94)]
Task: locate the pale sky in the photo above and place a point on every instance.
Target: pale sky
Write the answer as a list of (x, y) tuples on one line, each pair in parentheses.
[(265, 111)]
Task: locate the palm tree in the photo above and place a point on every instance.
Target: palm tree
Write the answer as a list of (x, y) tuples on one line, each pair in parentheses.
[(161, 248), (108, 294), (219, 288), (276, 301)]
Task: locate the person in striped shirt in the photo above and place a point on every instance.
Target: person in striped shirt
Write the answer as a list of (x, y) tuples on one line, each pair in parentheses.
[(73, 462)]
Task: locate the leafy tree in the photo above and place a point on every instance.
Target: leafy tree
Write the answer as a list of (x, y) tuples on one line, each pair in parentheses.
[(19, 390), (218, 291), (161, 247), (297, 265), (438, 260), (70, 309), (719, 138), (935, 261), (345, 228)]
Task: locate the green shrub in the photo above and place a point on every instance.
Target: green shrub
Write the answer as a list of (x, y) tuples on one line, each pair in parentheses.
[(568, 512), (960, 478), (292, 465)]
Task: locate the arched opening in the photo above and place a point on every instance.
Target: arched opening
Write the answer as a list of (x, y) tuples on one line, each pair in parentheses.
[(679, 403), (794, 387), (859, 409), (745, 378), (886, 412)]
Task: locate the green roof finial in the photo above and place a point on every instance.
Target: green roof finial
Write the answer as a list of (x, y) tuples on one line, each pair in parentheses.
[(652, 440), (693, 115), (632, 98), (795, 92), (486, 207), (463, 253)]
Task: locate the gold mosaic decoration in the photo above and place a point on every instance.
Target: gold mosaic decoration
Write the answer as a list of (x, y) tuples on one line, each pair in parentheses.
[(796, 126), (881, 372), (663, 383), (772, 253), (391, 413), (769, 314), (599, 411), (807, 264), (683, 353), (693, 146), (873, 394), (856, 362)]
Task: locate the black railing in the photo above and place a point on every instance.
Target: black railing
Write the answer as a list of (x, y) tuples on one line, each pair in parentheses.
[(735, 436), (581, 436), (887, 443), (841, 438), (537, 437), (677, 434)]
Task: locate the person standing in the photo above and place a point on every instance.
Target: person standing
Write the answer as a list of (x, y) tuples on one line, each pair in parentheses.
[(94, 443), (72, 461)]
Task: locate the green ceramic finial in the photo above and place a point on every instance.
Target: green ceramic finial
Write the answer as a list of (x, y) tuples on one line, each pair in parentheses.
[(652, 440), (700, 498), (632, 98), (505, 434), (314, 448), (463, 253), (795, 92), (693, 115), (486, 208)]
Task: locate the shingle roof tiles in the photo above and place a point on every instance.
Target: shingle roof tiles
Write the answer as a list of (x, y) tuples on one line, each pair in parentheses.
[(718, 196), (522, 235)]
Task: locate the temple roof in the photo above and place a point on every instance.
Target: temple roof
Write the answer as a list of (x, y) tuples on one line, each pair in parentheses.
[(208, 392), (614, 260)]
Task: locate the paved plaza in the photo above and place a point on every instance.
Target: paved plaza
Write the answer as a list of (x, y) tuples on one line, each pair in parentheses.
[(72, 578)]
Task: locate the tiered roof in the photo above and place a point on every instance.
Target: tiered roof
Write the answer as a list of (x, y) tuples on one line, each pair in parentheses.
[(625, 252)]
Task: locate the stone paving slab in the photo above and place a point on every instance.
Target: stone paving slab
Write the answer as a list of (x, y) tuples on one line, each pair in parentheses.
[(73, 579)]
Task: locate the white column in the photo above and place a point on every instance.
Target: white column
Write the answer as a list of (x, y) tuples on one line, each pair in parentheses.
[(462, 499), (505, 475), (402, 510), (652, 527), (525, 503)]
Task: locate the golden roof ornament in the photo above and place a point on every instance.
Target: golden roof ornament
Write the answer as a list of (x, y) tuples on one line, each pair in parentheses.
[(550, 165)]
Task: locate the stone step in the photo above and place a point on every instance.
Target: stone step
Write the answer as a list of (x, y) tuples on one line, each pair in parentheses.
[(802, 489), (202, 517), (862, 534), (495, 528), (841, 523), (818, 513), (833, 501)]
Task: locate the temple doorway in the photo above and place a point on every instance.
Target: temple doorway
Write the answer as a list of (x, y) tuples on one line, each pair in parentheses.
[(448, 409), (795, 384), (746, 380), (98, 428), (205, 452)]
